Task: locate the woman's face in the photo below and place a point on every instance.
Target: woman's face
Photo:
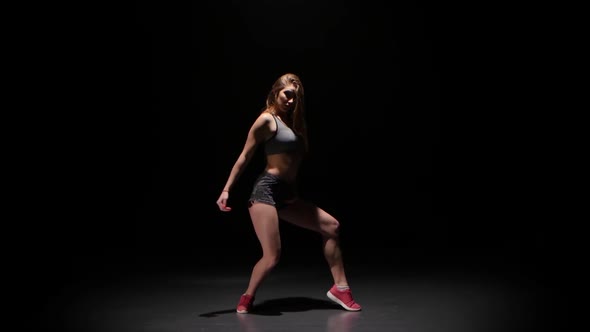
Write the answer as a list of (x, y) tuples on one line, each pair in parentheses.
[(287, 98)]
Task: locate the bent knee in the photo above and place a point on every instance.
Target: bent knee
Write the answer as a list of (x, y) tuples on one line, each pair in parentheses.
[(331, 229), (271, 260)]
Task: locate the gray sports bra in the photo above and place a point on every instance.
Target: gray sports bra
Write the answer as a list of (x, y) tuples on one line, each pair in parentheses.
[(284, 139)]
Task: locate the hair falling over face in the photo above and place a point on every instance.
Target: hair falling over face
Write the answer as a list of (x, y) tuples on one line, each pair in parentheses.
[(297, 118)]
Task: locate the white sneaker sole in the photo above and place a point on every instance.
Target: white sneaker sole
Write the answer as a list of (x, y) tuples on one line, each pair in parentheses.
[(335, 299)]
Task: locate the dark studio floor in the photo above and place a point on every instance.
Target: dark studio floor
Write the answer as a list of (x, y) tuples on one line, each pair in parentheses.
[(412, 294)]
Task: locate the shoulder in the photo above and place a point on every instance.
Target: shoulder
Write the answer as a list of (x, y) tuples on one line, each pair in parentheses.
[(264, 123), (264, 119)]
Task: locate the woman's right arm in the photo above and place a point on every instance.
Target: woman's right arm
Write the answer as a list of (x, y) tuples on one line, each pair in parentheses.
[(259, 132)]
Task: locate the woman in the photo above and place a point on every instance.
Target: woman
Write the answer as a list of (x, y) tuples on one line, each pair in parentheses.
[(281, 129)]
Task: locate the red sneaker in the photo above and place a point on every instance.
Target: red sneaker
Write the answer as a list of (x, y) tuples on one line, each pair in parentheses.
[(344, 298), (245, 304)]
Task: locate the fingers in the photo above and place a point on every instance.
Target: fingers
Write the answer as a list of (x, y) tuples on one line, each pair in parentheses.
[(221, 203), (223, 207)]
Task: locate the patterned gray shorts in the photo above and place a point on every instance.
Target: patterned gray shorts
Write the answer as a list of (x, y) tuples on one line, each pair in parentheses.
[(270, 189)]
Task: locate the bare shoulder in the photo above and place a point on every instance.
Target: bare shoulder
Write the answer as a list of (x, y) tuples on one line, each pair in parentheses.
[(263, 127), (265, 119)]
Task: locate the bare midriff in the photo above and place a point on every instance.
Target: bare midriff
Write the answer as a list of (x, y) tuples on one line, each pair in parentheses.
[(283, 165)]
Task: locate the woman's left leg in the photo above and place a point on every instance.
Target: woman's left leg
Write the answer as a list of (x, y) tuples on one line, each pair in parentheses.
[(307, 215)]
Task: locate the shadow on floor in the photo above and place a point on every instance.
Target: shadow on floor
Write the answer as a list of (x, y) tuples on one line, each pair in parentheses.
[(277, 307)]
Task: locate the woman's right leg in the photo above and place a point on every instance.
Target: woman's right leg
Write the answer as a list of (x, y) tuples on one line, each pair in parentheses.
[(266, 225)]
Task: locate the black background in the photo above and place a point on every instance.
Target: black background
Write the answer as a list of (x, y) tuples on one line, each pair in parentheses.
[(414, 121)]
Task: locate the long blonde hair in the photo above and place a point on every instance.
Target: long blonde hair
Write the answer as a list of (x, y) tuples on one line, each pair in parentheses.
[(297, 120)]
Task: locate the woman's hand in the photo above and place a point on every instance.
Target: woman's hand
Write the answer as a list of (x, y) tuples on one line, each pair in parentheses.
[(222, 201)]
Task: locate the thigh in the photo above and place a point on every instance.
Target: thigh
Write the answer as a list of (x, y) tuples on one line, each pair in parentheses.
[(266, 225), (308, 215)]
